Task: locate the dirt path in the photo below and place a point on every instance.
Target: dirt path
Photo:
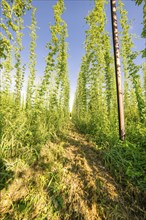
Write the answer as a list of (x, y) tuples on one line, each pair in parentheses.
[(67, 181), (93, 193)]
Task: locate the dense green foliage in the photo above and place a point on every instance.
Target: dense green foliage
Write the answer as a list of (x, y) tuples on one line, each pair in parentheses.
[(95, 111), (133, 93), (143, 34), (56, 96), (12, 12), (96, 83), (94, 107), (44, 112)]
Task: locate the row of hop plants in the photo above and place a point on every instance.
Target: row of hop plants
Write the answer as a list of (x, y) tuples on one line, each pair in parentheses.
[(45, 111), (95, 105), (94, 109)]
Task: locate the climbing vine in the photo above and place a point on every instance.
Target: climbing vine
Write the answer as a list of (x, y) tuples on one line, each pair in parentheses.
[(32, 64), (129, 65)]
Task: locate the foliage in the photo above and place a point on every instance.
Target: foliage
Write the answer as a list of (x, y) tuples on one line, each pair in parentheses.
[(54, 89), (12, 11), (32, 64), (143, 34), (94, 111), (26, 124), (95, 100), (46, 109), (131, 71), (127, 162), (94, 106)]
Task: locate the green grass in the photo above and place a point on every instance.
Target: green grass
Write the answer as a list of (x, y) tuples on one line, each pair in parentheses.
[(47, 182), (32, 187)]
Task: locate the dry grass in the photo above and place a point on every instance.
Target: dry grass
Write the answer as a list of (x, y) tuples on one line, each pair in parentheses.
[(68, 182)]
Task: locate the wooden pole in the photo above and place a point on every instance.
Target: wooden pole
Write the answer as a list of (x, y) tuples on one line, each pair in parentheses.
[(117, 70)]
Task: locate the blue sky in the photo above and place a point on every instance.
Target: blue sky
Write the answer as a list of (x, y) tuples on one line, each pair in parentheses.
[(74, 15)]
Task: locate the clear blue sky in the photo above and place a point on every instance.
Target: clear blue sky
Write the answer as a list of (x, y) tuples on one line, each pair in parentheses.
[(74, 15)]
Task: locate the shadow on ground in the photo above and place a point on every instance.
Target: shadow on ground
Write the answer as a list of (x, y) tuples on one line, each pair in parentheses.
[(6, 176), (66, 181), (94, 194)]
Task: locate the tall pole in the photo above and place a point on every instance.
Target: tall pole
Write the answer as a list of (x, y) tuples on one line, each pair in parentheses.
[(117, 70)]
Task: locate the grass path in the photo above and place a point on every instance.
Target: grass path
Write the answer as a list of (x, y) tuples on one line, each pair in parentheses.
[(94, 194), (67, 181)]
